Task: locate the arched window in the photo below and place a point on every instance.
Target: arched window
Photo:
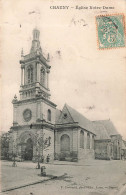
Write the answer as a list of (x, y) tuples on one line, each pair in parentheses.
[(30, 74), (88, 141), (49, 115), (42, 76), (65, 143), (81, 139)]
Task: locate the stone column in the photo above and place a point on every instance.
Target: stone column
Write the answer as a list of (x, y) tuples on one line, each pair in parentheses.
[(38, 111), (118, 150), (25, 74), (85, 140), (74, 140), (21, 76), (90, 141), (57, 145), (112, 150), (38, 72), (108, 151), (78, 140), (75, 143), (14, 114), (48, 71), (93, 142)]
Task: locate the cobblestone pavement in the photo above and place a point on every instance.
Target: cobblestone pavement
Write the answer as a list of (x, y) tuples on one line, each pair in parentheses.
[(93, 178)]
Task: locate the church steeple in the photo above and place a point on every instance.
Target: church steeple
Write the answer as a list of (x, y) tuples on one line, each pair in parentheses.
[(36, 34), (34, 71), (35, 42)]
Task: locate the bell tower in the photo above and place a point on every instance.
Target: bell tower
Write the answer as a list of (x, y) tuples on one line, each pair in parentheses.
[(34, 113), (34, 104), (35, 71)]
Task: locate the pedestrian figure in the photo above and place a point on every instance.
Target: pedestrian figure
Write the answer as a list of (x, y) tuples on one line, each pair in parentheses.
[(42, 159), (48, 158)]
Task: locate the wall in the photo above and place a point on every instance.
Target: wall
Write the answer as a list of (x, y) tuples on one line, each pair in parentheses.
[(44, 109), (102, 149), (72, 133), (39, 110), (87, 151), (18, 116), (116, 145), (109, 149), (22, 135)]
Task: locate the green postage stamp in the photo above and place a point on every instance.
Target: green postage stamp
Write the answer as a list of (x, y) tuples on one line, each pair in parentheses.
[(111, 31)]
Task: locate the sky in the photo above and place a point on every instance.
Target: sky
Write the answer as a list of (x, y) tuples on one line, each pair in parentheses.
[(90, 80)]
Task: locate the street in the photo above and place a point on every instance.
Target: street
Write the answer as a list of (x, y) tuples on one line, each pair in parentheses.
[(94, 177)]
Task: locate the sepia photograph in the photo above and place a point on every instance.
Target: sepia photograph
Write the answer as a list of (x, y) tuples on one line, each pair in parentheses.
[(63, 97)]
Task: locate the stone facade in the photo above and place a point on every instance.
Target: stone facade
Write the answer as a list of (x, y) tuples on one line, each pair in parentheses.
[(78, 147), (66, 149), (109, 148), (39, 128), (108, 143), (81, 141)]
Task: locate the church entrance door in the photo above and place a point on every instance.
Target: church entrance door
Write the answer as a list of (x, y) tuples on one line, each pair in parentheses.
[(28, 155)]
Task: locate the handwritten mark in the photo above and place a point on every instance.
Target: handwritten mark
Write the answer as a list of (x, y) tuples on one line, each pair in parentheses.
[(80, 22)]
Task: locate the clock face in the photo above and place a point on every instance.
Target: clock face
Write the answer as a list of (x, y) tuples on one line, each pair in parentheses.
[(27, 114)]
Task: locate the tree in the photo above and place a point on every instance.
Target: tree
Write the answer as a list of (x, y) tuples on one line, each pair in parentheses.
[(4, 146)]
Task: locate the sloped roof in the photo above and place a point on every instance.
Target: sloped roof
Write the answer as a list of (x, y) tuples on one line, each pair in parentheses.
[(82, 121), (100, 131), (104, 129)]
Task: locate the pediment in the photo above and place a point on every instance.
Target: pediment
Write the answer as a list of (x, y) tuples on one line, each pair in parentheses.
[(65, 116)]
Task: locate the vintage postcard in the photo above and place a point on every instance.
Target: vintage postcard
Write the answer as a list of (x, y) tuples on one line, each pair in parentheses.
[(63, 97)]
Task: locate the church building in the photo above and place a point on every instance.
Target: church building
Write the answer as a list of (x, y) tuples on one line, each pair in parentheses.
[(40, 129)]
